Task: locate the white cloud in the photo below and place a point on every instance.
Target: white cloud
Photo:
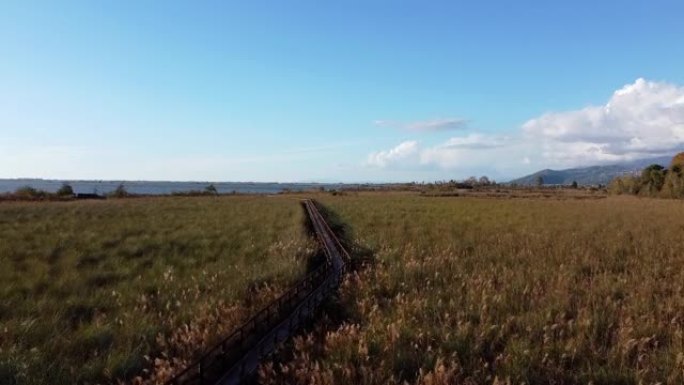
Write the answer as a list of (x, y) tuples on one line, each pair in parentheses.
[(441, 124), (405, 152), (466, 154), (640, 120), (473, 152)]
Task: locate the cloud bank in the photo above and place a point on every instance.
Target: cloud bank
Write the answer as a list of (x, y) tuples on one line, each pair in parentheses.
[(642, 119)]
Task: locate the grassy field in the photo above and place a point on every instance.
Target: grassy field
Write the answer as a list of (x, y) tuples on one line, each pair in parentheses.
[(100, 290), (504, 291), (463, 290)]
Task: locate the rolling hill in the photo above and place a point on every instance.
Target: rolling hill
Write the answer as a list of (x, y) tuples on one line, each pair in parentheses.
[(592, 175)]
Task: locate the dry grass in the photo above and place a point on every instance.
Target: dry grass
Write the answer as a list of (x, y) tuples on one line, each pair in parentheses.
[(98, 291), (494, 291)]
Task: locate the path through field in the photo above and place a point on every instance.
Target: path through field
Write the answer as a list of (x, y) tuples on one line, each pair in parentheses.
[(237, 356)]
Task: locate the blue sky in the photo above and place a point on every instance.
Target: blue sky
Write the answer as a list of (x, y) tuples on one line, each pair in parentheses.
[(343, 91)]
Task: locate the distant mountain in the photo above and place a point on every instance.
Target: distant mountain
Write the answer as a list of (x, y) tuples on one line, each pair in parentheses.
[(593, 175)]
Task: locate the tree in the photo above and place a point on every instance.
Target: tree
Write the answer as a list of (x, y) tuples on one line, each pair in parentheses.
[(211, 189), (540, 181), (674, 180), (28, 192), (65, 190), (120, 191), (484, 181), (678, 160), (617, 186), (653, 179), (574, 184)]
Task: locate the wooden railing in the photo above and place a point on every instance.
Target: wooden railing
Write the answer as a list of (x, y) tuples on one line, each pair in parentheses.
[(237, 356)]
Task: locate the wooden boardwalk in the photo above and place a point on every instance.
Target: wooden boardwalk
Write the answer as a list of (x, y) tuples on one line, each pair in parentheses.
[(238, 356)]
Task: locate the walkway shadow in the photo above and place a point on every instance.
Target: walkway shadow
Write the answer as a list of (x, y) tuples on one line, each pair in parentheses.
[(317, 258), (361, 256), (335, 311)]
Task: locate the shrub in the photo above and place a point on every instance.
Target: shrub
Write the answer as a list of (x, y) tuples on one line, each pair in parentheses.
[(65, 190), (120, 192), (211, 189), (654, 181), (673, 187), (28, 192), (678, 160)]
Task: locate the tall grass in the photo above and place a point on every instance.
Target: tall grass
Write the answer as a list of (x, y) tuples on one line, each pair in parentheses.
[(496, 291), (95, 291)]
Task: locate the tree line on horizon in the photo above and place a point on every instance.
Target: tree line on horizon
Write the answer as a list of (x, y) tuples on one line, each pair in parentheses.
[(653, 181), (66, 192)]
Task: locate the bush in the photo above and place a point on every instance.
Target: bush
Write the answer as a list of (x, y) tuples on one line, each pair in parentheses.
[(673, 186), (654, 181), (678, 160), (211, 189), (120, 192), (28, 192), (624, 185), (65, 190)]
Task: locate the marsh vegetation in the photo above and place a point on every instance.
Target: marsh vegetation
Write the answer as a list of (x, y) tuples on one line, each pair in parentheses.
[(534, 288), (504, 291), (96, 291)]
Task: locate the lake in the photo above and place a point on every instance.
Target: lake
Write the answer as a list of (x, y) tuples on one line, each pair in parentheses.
[(164, 188)]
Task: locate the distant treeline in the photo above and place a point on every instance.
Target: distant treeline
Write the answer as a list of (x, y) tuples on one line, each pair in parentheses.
[(469, 183), (66, 192), (28, 193), (654, 181)]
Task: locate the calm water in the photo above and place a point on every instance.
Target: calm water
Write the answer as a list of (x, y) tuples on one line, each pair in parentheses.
[(160, 188)]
